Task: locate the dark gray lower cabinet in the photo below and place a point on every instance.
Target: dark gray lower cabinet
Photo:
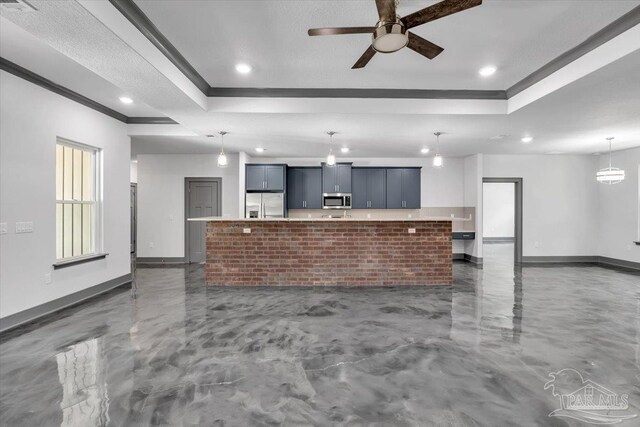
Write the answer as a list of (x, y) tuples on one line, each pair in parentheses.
[(403, 188), (304, 188), (369, 188)]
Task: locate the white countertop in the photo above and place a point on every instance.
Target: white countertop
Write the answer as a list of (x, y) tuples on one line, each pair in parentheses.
[(222, 219)]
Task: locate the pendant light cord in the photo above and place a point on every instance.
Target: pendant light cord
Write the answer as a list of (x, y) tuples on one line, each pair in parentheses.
[(609, 139)]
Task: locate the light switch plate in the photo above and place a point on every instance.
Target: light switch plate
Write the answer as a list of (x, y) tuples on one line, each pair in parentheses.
[(24, 227), (3, 228)]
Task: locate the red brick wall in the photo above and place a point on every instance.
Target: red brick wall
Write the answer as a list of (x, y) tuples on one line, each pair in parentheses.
[(360, 253)]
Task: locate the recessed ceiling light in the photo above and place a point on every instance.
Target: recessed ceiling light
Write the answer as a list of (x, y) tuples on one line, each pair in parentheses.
[(345, 149), (424, 150), (126, 100), (243, 68), (487, 71), (260, 149), (527, 139)]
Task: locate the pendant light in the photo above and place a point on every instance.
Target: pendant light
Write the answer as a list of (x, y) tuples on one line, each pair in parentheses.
[(331, 158), (610, 175), (222, 158), (437, 159)]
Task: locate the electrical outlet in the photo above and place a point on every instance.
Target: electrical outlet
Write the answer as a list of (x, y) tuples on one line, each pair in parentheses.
[(410, 216), (412, 231), (170, 217), (151, 245), (3, 228), (246, 230), (536, 244), (24, 227), (47, 279)]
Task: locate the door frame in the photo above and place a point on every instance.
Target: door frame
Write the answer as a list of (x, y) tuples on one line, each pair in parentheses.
[(517, 245), (187, 199)]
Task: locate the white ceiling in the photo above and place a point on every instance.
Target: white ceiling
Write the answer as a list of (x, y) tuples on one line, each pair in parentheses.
[(91, 48), (516, 36), (574, 119), (26, 50)]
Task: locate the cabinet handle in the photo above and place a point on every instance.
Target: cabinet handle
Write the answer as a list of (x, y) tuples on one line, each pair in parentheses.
[(304, 204)]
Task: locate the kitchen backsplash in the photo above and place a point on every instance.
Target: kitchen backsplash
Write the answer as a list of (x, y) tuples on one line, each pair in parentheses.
[(464, 217)]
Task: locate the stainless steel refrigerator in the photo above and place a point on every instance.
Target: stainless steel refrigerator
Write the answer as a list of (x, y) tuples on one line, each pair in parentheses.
[(264, 205)]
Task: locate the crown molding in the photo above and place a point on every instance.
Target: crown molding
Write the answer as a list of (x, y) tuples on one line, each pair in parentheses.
[(138, 18), (30, 76), (617, 27)]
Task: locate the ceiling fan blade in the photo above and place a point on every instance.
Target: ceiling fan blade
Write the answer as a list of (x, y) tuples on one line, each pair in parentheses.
[(423, 47), (340, 30), (365, 58), (437, 11), (386, 10)]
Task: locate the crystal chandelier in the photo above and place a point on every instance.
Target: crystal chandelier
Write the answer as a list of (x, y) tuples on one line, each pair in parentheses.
[(610, 175)]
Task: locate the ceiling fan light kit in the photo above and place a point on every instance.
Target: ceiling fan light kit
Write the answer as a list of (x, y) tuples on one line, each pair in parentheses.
[(389, 37), (391, 32)]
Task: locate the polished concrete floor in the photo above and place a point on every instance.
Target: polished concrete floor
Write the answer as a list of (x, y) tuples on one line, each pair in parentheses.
[(170, 351)]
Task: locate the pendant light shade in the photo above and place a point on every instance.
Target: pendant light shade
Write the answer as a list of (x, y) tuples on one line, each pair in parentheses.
[(223, 162), (331, 158), (610, 175), (438, 162)]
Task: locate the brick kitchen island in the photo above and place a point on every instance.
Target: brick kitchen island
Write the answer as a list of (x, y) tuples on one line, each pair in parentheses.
[(327, 252)]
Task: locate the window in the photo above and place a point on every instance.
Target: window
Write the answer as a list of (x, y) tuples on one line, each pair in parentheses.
[(77, 201)]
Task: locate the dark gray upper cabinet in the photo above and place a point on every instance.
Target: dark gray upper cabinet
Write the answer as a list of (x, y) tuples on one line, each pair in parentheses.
[(337, 178), (403, 188), (265, 177), (369, 188), (304, 188)]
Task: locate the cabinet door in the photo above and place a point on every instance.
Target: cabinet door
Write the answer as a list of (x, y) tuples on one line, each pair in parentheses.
[(255, 177), (295, 188), (274, 177), (312, 188), (376, 188), (359, 193), (343, 178), (411, 188), (394, 188), (329, 184)]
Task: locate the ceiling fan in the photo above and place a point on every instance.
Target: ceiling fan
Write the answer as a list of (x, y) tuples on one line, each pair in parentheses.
[(391, 32)]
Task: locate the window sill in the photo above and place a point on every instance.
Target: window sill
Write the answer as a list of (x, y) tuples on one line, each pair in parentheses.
[(76, 261)]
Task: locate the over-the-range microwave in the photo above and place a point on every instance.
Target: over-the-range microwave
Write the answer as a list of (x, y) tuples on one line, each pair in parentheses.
[(336, 200)]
